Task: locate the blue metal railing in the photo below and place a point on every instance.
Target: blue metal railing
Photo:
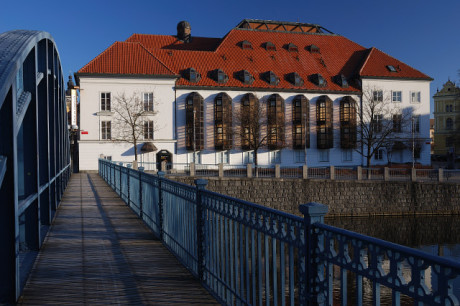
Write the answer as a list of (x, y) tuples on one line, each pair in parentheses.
[(249, 254)]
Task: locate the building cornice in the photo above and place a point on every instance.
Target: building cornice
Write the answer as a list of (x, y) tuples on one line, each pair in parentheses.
[(395, 78)]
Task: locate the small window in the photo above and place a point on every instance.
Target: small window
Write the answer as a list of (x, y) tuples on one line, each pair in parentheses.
[(148, 101), (449, 108), (275, 157), (379, 154), (299, 156), (323, 155), (377, 123), (192, 75), (246, 45), (341, 80), (347, 155), (269, 46), (295, 79), (392, 68), (416, 123), (105, 101), (449, 124), (106, 130), (292, 48), (377, 95), (148, 130), (396, 96), (220, 76), (313, 49), (397, 123), (415, 97)]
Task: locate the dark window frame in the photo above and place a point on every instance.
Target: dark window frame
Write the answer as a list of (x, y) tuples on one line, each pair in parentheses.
[(324, 123), (348, 123), (106, 130), (194, 113), (106, 98), (300, 129), (223, 136), (275, 121)]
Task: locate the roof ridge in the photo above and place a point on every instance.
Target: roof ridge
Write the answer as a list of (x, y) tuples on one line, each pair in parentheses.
[(365, 61), (156, 58)]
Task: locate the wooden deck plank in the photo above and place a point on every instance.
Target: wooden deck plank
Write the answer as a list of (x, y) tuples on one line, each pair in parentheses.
[(98, 252)]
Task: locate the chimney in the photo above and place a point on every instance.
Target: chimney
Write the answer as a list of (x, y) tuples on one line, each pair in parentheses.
[(184, 31)]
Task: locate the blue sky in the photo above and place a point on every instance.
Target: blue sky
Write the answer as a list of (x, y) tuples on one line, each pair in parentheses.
[(422, 33)]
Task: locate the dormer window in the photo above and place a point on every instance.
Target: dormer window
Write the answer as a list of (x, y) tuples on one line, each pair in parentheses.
[(318, 80), (192, 75), (295, 79), (272, 78), (269, 46), (342, 81), (246, 77), (246, 45), (220, 76), (392, 68), (292, 48), (314, 49)]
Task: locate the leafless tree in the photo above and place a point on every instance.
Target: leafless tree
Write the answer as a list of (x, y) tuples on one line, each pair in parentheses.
[(132, 116), (254, 126), (379, 121)]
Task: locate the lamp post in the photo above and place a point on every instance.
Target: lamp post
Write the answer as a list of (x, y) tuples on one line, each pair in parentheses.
[(305, 136)]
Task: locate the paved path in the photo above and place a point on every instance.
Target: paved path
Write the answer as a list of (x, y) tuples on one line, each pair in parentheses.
[(98, 252)]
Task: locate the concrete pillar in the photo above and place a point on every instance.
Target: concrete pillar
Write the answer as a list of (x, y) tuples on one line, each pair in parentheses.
[(192, 169), (440, 175), (359, 173), (304, 172), (413, 175), (221, 170), (277, 171), (332, 172), (249, 170), (386, 174), (135, 167)]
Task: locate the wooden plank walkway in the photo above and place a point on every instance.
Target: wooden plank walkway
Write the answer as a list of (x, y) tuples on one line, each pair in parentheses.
[(98, 252)]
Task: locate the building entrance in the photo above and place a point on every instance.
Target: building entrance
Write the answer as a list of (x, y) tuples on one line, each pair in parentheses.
[(164, 155)]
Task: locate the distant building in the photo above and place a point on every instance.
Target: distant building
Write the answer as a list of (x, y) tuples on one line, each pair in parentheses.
[(309, 80), (432, 135), (447, 119)]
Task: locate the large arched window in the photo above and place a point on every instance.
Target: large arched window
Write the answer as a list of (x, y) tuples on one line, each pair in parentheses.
[(223, 122), (275, 120), (300, 122), (347, 123), (250, 121), (194, 127), (324, 117)]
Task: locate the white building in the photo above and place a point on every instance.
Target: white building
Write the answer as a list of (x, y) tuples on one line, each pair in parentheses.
[(304, 76)]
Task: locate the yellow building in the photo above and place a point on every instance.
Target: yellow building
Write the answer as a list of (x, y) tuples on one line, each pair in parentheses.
[(447, 119)]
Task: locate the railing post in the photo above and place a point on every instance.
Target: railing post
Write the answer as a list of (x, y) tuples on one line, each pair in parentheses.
[(440, 175), (386, 174), (221, 170), (141, 213), (200, 186), (135, 164), (332, 172), (249, 170), (161, 175), (359, 173), (277, 171), (311, 269), (192, 169), (413, 175), (305, 172)]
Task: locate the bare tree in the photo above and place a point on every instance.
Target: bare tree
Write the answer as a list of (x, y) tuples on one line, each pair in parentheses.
[(379, 122), (257, 127), (133, 118)]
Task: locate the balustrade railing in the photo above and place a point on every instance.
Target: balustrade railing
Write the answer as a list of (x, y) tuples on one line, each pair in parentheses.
[(245, 253)]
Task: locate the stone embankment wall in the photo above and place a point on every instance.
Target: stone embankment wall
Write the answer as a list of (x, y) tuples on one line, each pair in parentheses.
[(344, 198)]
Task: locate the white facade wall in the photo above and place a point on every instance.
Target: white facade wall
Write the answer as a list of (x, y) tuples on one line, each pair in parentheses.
[(92, 145), (171, 122), (422, 109)]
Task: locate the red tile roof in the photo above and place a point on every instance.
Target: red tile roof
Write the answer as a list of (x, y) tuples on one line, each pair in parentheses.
[(126, 58), (377, 62), (166, 55)]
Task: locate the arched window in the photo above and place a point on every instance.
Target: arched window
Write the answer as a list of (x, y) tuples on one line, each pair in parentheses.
[(324, 123), (300, 122), (276, 120), (194, 127), (449, 124), (223, 136), (347, 123), (250, 121)]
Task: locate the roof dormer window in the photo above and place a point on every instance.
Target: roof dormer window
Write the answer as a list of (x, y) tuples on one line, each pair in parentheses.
[(292, 48), (314, 49), (246, 45), (295, 79), (220, 76), (272, 78), (318, 80), (192, 75), (246, 77), (342, 81), (269, 46)]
